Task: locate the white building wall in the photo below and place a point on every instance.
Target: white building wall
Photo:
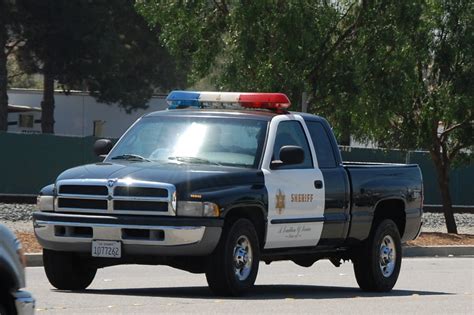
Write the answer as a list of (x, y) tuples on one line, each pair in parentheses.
[(75, 113)]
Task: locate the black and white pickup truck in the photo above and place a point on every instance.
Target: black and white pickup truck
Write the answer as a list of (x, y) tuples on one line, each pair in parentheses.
[(220, 182)]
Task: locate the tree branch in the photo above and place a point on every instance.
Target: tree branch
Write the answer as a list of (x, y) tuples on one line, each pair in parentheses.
[(222, 6), (314, 73), (328, 36), (14, 75), (11, 47), (453, 127)]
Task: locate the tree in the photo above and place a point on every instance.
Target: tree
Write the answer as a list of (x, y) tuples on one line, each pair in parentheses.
[(389, 72), (10, 38), (103, 47), (414, 64), (288, 46)]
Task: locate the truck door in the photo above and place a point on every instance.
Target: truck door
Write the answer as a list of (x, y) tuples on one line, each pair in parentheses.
[(295, 192), (336, 209)]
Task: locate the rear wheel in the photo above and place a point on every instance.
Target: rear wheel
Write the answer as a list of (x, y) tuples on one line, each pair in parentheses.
[(377, 263), (233, 266), (66, 271)]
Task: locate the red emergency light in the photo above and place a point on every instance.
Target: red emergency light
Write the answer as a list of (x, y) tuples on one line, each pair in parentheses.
[(264, 100)]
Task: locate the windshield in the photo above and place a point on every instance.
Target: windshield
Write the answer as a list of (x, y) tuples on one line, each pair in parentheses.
[(194, 140)]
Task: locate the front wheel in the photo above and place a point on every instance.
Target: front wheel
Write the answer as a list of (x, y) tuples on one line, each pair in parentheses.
[(6, 304), (233, 267), (377, 263), (66, 271)]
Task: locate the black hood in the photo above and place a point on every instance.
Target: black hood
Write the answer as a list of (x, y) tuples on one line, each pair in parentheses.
[(187, 178)]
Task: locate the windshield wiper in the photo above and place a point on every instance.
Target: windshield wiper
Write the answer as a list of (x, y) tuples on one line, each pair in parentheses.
[(130, 157), (192, 159)]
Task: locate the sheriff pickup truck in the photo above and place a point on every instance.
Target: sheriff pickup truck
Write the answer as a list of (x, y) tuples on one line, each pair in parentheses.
[(218, 183)]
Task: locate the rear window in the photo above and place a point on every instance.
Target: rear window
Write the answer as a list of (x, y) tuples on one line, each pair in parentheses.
[(322, 144)]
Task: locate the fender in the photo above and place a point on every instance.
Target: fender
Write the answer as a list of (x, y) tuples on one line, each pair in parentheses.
[(394, 197), (258, 208), (261, 207), (48, 190), (361, 226)]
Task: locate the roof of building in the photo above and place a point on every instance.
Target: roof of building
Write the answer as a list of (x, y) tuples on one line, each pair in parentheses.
[(21, 108)]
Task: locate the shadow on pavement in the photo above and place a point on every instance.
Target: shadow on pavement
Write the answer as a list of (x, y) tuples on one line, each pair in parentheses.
[(260, 292)]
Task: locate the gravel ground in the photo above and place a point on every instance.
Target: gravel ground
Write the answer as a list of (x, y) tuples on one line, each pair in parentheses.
[(18, 218)]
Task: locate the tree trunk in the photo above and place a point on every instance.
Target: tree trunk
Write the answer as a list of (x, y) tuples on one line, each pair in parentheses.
[(345, 131), (3, 78), (442, 168), (47, 104)]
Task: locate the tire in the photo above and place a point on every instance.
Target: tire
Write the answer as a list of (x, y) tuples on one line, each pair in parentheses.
[(3, 310), (232, 268), (66, 271), (7, 304), (377, 263)]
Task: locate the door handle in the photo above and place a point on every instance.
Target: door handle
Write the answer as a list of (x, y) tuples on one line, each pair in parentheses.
[(318, 184)]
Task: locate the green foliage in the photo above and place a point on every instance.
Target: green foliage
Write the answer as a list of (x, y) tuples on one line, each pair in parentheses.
[(17, 78), (415, 72), (103, 47), (248, 45), (10, 37), (379, 70)]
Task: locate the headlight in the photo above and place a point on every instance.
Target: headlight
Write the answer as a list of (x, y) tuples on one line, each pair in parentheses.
[(198, 209), (45, 203)]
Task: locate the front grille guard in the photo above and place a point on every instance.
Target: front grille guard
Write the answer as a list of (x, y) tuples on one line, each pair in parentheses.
[(111, 184)]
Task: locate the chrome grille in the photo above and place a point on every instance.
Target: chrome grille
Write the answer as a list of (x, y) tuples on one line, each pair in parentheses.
[(84, 190), (120, 196), (140, 192)]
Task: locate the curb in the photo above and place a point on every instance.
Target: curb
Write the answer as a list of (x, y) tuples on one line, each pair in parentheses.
[(36, 260), (438, 251)]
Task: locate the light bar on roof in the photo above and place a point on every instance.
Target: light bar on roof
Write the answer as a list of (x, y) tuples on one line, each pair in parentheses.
[(183, 99)]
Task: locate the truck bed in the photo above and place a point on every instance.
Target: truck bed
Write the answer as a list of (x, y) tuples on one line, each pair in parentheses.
[(372, 183)]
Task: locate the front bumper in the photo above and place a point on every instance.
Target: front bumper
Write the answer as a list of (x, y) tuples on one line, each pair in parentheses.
[(139, 235), (24, 302)]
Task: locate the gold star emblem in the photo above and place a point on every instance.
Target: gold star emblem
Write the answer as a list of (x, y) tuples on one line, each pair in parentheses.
[(280, 201)]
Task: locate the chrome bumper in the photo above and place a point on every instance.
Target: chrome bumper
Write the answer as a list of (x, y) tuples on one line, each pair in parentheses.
[(24, 303), (136, 239)]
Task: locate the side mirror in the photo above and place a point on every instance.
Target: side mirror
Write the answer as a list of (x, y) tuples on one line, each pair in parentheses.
[(289, 155), (102, 147)]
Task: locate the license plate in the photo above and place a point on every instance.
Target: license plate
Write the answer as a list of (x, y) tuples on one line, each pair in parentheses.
[(108, 249)]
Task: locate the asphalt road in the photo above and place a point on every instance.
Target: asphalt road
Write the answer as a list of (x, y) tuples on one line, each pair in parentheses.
[(425, 286)]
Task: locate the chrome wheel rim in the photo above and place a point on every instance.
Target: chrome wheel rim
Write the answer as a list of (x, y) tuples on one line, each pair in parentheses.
[(242, 258), (388, 256)]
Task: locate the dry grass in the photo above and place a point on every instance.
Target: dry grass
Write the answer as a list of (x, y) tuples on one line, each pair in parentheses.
[(29, 242), (436, 238)]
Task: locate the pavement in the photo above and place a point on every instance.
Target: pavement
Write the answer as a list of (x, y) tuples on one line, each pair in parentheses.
[(425, 286), (36, 259)]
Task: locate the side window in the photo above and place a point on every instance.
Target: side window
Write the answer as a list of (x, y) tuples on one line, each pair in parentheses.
[(322, 144), (292, 133)]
